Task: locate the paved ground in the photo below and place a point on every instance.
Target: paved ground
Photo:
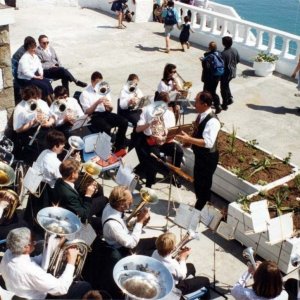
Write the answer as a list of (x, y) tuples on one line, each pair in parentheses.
[(265, 109)]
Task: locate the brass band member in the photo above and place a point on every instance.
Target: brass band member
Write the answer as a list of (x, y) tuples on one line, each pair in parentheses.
[(31, 115), (204, 145), (99, 107), (24, 276), (115, 230), (129, 97), (65, 110), (166, 244), (154, 141), (86, 206)]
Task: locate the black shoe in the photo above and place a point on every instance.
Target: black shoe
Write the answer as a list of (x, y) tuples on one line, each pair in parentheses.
[(230, 101), (218, 110), (224, 106), (80, 83)]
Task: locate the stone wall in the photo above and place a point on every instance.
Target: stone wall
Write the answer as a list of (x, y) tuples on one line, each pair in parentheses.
[(6, 85)]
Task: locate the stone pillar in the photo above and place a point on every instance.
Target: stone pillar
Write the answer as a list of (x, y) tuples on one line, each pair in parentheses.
[(7, 101)]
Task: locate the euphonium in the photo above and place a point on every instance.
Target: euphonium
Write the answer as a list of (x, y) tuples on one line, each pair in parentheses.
[(9, 201), (148, 196), (76, 144), (189, 236)]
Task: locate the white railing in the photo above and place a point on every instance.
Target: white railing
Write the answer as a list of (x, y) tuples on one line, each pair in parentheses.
[(249, 38)]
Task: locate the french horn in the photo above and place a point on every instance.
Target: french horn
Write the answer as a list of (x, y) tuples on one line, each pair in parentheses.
[(9, 202), (59, 224), (148, 196), (142, 277)]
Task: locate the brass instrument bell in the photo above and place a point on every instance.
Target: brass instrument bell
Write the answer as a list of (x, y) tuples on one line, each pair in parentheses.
[(91, 168), (103, 88), (7, 174)]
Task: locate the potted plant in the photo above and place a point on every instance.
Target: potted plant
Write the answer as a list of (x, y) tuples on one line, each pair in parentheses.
[(264, 64)]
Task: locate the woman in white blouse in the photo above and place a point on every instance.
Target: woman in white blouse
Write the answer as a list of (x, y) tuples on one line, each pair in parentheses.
[(30, 71), (267, 283)]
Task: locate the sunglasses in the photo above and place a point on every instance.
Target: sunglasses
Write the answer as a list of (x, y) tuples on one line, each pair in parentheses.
[(45, 43), (62, 97), (173, 72)]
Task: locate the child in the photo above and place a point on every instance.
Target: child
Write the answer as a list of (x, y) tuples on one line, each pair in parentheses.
[(165, 244), (185, 33), (296, 72)]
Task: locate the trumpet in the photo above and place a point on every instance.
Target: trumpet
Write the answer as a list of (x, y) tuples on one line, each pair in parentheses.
[(189, 236), (148, 196)]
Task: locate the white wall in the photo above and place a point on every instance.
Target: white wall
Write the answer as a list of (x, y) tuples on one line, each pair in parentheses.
[(28, 3)]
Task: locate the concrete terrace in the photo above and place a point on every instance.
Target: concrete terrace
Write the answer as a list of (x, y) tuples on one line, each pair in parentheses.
[(265, 109)]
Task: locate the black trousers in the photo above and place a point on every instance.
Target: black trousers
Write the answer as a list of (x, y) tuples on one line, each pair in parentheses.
[(43, 84), (225, 90), (60, 73), (204, 168), (131, 116), (211, 86), (105, 121), (151, 165)]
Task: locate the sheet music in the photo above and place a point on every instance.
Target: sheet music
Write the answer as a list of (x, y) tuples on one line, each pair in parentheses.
[(86, 233), (280, 228), (32, 180), (187, 217), (260, 215), (103, 146), (3, 120), (131, 159), (124, 176), (81, 122), (226, 230), (90, 142), (211, 216)]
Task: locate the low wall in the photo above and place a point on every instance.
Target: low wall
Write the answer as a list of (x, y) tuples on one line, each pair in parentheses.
[(29, 3)]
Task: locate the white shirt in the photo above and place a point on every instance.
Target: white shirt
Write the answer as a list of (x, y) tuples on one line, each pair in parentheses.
[(24, 277), (240, 292), (23, 115), (73, 108), (89, 96), (28, 65), (163, 87), (211, 129), (116, 232), (177, 268), (146, 118), (48, 164), (125, 96)]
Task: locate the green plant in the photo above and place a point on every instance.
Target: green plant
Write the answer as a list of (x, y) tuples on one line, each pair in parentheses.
[(244, 201), (264, 164), (252, 143), (241, 158), (232, 141), (287, 159), (297, 182), (279, 198), (237, 171), (265, 57)]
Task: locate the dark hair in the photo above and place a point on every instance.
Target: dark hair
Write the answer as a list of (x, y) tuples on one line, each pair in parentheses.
[(55, 138), (205, 97), (28, 39), (170, 3), (96, 75), (132, 77), (68, 166), (92, 294), (167, 71), (29, 43), (267, 280), (186, 19), (212, 46), (227, 41), (30, 92), (60, 91), (42, 36)]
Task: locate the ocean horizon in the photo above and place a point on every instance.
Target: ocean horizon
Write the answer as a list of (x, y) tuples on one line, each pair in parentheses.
[(278, 14)]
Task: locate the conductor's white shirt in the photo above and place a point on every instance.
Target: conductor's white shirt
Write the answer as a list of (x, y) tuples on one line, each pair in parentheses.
[(24, 277), (48, 164), (89, 96), (28, 65), (22, 113), (126, 96), (116, 232)]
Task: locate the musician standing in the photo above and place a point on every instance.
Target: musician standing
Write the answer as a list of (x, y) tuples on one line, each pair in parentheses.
[(204, 145), (99, 107), (24, 276)]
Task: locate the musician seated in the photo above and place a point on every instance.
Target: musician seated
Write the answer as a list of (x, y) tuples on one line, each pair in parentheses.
[(155, 141), (31, 117), (97, 104), (129, 100), (166, 244), (89, 206), (66, 110), (46, 164), (267, 283), (115, 229), (24, 276)]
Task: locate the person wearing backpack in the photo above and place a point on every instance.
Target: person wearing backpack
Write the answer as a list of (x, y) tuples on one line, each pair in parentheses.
[(212, 70), (171, 18), (231, 58)]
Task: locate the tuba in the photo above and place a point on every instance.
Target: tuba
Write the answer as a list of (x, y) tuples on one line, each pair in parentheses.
[(189, 236), (148, 196), (9, 201), (59, 223), (142, 277)]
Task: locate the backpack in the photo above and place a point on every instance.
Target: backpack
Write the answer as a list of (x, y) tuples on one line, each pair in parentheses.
[(216, 63), (170, 18)]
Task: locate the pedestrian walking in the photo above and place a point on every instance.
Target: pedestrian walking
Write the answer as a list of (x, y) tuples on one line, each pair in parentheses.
[(185, 33)]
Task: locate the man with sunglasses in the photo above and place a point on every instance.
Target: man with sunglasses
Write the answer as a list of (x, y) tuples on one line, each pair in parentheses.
[(52, 65)]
